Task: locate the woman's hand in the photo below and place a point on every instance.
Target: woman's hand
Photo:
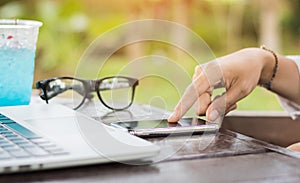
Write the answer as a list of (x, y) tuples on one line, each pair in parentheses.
[(239, 73)]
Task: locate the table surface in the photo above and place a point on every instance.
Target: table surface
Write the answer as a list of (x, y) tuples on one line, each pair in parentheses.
[(224, 156)]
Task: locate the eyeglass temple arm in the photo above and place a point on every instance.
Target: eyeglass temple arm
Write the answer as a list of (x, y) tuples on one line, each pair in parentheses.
[(53, 93)]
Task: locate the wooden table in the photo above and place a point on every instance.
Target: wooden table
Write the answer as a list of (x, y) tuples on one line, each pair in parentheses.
[(222, 157)]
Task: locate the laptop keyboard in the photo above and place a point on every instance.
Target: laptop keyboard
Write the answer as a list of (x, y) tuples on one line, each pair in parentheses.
[(16, 141)]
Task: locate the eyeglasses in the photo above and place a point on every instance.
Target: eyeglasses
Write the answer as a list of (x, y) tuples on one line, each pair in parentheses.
[(114, 92)]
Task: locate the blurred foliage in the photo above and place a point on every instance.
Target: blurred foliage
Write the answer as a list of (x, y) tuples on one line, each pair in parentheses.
[(71, 25)]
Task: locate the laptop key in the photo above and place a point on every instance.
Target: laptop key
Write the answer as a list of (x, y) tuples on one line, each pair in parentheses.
[(22, 130), (48, 145), (36, 151), (9, 136), (20, 153), (59, 153), (6, 133), (12, 148), (16, 139), (6, 121), (3, 141), (3, 129), (40, 141), (4, 155), (29, 145), (7, 145), (19, 143), (4, 144), (56, 151)]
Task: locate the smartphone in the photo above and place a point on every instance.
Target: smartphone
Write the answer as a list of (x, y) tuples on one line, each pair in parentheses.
[(159, 128)]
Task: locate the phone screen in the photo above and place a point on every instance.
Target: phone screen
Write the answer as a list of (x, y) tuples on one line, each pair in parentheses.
[(162, 123)]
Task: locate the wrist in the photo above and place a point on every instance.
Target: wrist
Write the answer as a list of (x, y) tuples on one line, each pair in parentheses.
[(270, 67)]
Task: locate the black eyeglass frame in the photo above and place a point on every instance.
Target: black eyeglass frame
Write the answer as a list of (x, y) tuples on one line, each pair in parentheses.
[(89, 87)]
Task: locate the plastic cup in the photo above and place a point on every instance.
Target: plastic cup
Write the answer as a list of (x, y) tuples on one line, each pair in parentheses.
[(17, 52)]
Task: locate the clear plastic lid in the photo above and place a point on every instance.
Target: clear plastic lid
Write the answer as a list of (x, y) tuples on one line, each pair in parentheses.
[(17, 23), (16, 33)]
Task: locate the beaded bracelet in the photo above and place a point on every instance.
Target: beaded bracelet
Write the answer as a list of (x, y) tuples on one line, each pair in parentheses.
[(275, 69)]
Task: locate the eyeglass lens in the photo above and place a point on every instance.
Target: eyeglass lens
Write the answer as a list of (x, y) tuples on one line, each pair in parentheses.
[(116, 92), (67, 88)]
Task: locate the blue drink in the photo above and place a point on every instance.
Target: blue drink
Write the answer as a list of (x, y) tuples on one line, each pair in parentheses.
[(17, 51), (17, 67)]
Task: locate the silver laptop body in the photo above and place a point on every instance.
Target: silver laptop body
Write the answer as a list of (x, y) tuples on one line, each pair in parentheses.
[(42, 136)]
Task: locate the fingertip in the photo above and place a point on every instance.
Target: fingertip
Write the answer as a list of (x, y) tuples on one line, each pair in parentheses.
[(173, 118), (176, 114)]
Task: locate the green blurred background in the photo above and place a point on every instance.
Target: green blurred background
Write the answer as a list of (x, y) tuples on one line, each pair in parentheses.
[(70, 26)]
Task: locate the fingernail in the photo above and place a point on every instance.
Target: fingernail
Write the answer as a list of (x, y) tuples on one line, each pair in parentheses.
[(171, 117), (213, 115)]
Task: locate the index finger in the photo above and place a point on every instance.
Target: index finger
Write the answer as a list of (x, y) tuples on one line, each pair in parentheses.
[(199, 85)]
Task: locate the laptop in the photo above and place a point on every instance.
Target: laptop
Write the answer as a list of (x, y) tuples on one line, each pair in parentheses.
[(41, 136)]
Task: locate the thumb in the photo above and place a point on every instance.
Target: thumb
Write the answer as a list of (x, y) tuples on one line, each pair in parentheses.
[(216, 110), (223, 104)]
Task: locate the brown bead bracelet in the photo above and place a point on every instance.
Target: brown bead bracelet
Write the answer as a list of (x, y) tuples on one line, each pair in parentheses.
[(275, 69)]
